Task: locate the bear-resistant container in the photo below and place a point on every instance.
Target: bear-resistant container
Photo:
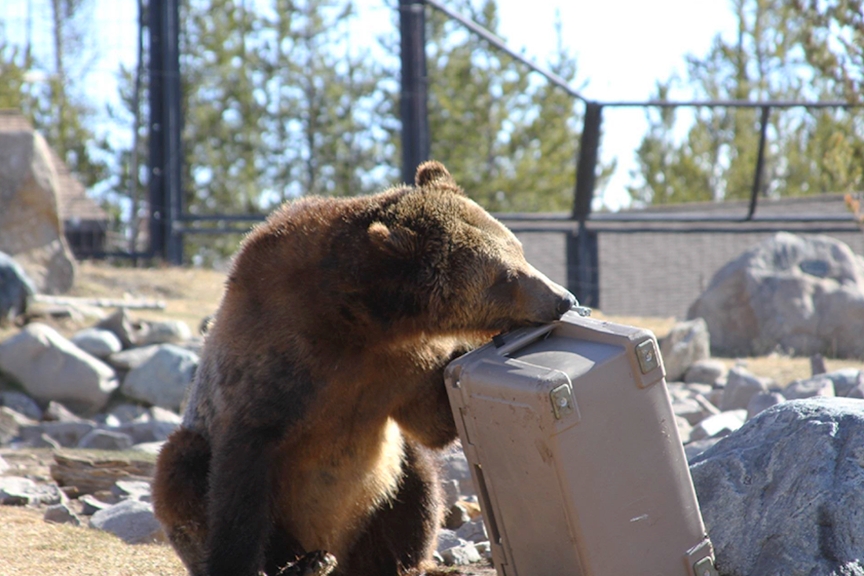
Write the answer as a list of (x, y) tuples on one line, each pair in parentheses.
[(575, 453)]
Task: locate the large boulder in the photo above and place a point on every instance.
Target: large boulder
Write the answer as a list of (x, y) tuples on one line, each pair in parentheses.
[(50, 367), (804, 294), (30, 227), (162, 380), (783, 495)]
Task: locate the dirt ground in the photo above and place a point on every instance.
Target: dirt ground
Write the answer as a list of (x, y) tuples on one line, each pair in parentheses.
[(29, 546)]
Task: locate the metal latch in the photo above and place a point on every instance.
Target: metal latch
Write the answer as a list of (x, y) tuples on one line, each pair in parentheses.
[(646, 353), (704, 567), (562, 401)]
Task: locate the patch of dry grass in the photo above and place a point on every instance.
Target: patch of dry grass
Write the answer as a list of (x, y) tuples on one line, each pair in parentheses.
[(29, 546)]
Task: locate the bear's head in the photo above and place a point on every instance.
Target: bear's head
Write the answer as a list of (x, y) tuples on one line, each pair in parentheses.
[(447, 263)]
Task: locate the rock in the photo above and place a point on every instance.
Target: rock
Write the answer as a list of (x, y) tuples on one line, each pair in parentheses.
[(56, 412), (705, 371), (809, 388), (165, 332), (98, 342), (43, 441), (30, 226), (461, 555), (762, 401), (153, 426), (128, 412), (124, 327), (61, 514), (162, 380), (131, 520), (132, 489), (454, 466), (845, 380), (4, 466), (67, 434), (448, 539), (741, 386), (450, 489), (132, 358), (21, 403), (456, 516), (91, 504), (696, 447), (49, 367), (817, 365), (105, 440), (149, 447), (685, 429), (803, 293), (719, 424), (15, 289), (11, 423), (783, 495), (692, 407), (16, 491), (94, 473), (473, 531), (685, 344)]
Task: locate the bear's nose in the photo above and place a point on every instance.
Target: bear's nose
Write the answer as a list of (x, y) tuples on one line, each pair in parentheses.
[(566, 302)]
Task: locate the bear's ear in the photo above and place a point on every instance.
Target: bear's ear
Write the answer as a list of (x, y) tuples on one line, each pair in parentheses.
[(432, 171), (395, 240)]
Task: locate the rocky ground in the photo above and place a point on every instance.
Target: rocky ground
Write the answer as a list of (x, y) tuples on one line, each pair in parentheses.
[(54, 488)]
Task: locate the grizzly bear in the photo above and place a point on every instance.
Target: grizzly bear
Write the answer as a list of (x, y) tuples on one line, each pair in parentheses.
[(305, 444)]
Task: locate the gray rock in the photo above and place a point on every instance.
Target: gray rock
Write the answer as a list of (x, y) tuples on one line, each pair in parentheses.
[(451, 492), (124, 327), (149, 447), (456, 517), (448, 539), (153, 426), (17, 491), (696, 447), (685, 429), (845, 380), (56, 412), (783, 495), (803, 293), (705, 371), (473, 531), (21, 403), (105, 440), (131, 520), (762, 401), (162, 380), (44, 441), (719, 424), (98, 342), (15, 288), (809, 388), (4, 466), (461, 555), (67, 434), (31, 230), (61, 514), (685, 344), (132, 489), (132, 358), (741, 386), (692, 407), (11, 423), (164, 332), (49, 367), (454, 466), (129, 412), (91, 504)]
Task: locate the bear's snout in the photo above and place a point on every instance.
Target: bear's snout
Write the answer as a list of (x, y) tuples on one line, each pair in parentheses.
[(566, 302)]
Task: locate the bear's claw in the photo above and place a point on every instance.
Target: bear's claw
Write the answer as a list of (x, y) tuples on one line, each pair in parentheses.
[(317, 563)]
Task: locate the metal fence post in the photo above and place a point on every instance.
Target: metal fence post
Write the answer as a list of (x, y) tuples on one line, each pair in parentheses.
[(413, 103)]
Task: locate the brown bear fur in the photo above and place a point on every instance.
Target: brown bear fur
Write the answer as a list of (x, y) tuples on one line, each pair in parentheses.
[(320, 388)]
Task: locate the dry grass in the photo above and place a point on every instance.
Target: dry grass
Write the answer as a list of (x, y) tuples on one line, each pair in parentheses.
[(30, 546)]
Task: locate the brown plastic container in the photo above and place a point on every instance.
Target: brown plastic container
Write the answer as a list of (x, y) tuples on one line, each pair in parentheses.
[(576, 455)]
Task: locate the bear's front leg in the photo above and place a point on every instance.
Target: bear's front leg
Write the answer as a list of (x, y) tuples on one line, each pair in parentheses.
[(239, 513)]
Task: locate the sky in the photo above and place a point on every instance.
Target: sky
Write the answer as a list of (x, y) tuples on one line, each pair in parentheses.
[(622, 49)]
